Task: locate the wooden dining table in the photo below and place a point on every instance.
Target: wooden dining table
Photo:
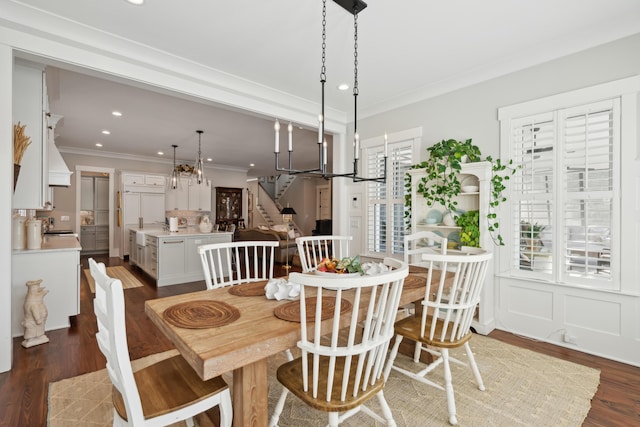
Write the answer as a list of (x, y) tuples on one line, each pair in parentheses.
[(244, 345)]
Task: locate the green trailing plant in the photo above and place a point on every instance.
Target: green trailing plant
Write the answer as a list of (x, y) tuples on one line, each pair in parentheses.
[(441, 184), (469, 223)]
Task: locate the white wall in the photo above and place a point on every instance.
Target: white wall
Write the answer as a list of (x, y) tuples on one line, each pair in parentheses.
[(6, 193), (605, 324)]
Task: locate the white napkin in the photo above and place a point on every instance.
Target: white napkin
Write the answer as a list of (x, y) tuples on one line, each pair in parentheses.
[(281, 289), (371, 268)]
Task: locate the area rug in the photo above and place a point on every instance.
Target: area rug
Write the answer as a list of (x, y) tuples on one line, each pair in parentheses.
[(128, 280), (523, 388)]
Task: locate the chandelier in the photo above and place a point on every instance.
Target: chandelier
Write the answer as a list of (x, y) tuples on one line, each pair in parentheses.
[(354, 7), (197, 174), (174, 178)]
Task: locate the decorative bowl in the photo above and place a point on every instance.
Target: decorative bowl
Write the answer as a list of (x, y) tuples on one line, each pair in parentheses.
[(469, 188)]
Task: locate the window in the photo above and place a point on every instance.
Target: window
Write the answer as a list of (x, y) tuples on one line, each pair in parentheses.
[(385, 201), (564, 201)]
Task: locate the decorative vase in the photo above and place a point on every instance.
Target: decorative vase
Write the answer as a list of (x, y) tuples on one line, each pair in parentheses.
[(16, 172), (449, 219)]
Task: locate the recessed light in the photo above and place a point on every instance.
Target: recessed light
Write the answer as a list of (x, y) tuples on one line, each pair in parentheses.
[(209, 159), (98, 144), (116, 113), (106, 132), (160, 153), (343, 86), (251, 165), (135, 2)]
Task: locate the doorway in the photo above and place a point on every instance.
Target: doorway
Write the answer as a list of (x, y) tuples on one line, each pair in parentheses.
[(100, 218)]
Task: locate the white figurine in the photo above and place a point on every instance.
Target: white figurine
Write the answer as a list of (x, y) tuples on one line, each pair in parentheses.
[(35, 315)]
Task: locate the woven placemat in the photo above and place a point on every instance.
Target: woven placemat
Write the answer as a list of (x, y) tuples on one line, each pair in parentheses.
[(291, 310), (254, 289), (201, 314)]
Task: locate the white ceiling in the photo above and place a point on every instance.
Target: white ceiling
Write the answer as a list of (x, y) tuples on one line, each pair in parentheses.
[(408, 50)]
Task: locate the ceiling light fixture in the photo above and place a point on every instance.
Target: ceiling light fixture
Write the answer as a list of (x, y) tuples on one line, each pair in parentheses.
[(116, 113), (354, 7), (174, 177), (135, 2), (198, 168), (106, 132), (98, 144)]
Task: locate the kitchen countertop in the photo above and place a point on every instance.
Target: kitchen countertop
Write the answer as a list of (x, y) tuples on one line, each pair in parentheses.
[(54, 243), (182, 232)]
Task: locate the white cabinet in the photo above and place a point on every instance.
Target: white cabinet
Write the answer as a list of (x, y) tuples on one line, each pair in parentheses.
[(101, 194), (86, 193), (141, 182), (479, 172), (60, 274), (172, 258), (29, 101), (189, 196)]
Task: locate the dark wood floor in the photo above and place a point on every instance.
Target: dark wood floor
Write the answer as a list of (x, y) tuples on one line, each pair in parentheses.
[(73, 351)]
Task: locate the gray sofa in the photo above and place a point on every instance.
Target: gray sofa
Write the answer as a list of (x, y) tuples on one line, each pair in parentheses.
[(253, 234)]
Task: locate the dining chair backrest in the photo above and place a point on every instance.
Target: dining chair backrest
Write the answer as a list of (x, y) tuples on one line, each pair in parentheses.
[(313, 249), (352, 344), (451, 298), (422, 242), (112, 338), (232, 263)]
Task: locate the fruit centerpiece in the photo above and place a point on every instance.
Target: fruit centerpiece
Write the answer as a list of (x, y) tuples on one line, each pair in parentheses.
[(344, 266)]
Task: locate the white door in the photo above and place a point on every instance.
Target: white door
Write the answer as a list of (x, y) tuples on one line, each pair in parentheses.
[(86, 194), (131, 210)]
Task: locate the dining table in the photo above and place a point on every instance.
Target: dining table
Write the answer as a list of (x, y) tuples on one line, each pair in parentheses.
[(245, 335)]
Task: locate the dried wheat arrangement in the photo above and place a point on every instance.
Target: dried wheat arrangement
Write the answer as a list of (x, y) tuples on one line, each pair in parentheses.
[(20, 143)]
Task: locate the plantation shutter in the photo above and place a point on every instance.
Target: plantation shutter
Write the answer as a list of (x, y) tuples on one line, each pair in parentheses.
[(532, 190), (385, 201), (589, 152)]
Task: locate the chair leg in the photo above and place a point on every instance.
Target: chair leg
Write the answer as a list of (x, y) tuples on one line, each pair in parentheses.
[(448, 385), (392, 357), (386, 411), (189, 422), (474, 366), (333, 419), (277, 410), (226, 409), (416, 352)]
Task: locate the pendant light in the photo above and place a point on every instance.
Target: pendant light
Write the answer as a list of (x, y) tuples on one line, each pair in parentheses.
[(198, 175), (354, 7), (174, 177)]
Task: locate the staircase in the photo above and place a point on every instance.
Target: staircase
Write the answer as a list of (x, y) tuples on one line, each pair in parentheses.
[(270, 209)]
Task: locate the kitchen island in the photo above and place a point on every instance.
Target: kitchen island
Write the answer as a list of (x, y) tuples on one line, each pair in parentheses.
[(171, 257), (57, 263)]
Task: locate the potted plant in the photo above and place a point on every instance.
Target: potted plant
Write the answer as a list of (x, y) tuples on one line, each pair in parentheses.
[(441, 183), (469, 223)]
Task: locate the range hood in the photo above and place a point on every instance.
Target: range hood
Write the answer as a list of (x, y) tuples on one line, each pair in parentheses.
[(59, 173)]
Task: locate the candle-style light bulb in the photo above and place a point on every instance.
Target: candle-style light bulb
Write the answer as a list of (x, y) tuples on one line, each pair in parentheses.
[(324, 150), (290, 128), (386, 147), (276, 127), (320, 119), (356, 148)]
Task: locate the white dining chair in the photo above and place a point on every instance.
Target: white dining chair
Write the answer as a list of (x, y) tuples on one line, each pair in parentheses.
[(415, 245), (313, 249), (341, 364), (452, 293), (233, 263), (142, 398)]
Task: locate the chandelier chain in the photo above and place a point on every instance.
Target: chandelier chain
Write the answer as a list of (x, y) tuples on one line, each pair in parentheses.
[(355, 54), (323, 69)]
